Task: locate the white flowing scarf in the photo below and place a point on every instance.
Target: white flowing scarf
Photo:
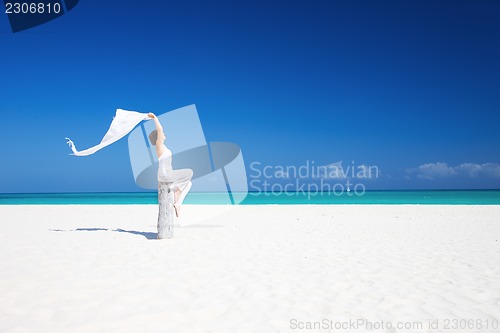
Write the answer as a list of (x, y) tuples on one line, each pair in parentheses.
[(123, 122)]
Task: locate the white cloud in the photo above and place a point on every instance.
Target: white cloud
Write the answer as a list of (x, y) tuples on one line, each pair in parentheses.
[(465, 170), (281, 174), (331, 171), (471, 170)]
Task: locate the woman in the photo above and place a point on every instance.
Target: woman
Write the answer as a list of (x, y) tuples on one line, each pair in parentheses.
[(179, 180)]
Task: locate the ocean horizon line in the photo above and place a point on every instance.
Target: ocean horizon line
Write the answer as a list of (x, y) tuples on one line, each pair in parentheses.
[(295, 191), (451, 197)]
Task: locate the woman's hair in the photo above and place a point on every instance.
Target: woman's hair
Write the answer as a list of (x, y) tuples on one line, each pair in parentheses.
[(152, 137)]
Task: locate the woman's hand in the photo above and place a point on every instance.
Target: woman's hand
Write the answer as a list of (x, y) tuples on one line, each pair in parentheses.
[(151, 115)]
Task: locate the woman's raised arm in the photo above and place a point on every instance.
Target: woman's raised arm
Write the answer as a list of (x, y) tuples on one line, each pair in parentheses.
[(160, 147)]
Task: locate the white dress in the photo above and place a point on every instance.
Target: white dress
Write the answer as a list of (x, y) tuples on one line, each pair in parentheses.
[(176, 179)]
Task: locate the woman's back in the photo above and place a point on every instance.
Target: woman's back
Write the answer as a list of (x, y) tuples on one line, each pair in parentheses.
[(164, 165)]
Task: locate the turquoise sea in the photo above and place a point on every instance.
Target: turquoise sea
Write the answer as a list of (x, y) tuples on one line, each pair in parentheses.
[(435, 197)]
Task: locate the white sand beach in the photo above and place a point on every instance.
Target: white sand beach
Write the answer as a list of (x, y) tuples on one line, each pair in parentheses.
[(270, 268)]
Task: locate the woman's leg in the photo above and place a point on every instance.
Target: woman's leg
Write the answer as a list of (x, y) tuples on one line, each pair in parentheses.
[(183, 193), (181, 181), (177, 194)]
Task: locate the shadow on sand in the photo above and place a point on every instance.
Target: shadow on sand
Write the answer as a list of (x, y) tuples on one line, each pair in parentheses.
[(148, 235)]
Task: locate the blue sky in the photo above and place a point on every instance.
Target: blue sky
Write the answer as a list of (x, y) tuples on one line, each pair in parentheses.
[(409, 86)]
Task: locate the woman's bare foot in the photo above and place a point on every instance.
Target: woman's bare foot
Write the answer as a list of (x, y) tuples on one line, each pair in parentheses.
[(177, 208)]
